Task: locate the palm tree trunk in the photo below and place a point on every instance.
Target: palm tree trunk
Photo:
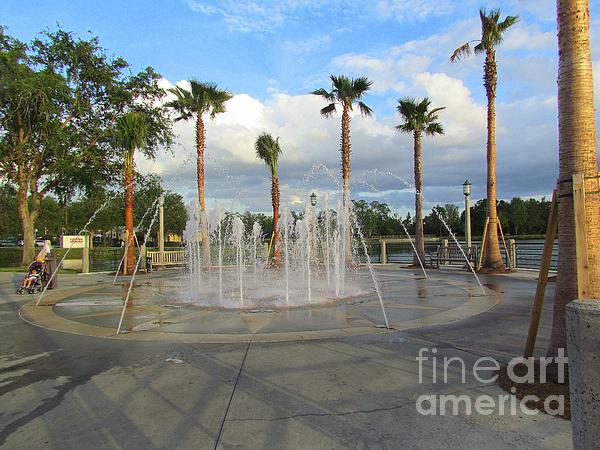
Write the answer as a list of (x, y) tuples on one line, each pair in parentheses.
[(346, 183), (577, 154), (200, 144), (128, 200), (419, 238), (275, 201), (493, 259)]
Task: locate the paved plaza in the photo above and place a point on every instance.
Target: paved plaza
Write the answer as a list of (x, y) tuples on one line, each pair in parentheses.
[(322, 376)]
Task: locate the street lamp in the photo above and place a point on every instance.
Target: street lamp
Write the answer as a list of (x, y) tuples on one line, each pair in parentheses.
[(313, 199), (467, 191)]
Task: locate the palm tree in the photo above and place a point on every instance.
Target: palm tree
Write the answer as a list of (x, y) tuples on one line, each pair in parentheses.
[(346, 92), (202, 98), (269, 150), (577, 154), (131, 133), (491, 35), (419, 119)]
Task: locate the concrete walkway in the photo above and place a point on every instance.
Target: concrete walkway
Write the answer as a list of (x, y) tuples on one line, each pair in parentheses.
[(65, 390)]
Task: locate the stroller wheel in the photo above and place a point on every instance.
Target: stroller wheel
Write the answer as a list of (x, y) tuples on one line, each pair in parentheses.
[(20, 291), (31, 290)]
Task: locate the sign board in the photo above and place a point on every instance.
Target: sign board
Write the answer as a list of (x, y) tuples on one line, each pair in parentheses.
[(75, 241)]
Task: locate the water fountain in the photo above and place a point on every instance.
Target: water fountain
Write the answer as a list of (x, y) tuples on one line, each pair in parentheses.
[(311, 271)]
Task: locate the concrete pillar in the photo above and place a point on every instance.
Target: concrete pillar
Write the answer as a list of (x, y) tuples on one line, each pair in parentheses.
[(85, 254), (512, 248), (583, 344), (445, 246), (161, 228), (383, 252)]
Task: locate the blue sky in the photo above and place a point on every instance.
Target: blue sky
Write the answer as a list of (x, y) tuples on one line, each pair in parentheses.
[(272, 53)]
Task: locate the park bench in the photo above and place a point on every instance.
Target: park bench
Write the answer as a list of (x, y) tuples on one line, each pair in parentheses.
[(170, 258), (451, 254)]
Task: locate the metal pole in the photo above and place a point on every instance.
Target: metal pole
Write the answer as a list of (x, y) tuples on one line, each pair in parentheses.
[(161, 228)]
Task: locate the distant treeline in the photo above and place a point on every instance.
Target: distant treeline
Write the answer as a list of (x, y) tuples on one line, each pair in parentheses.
[(518, 217), (59, 216)]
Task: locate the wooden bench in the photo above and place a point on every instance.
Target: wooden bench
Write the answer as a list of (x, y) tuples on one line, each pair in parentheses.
[(451, 254), (170, 258)]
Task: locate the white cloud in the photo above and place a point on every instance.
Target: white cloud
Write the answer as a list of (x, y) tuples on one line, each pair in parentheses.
[(307, 45), (413, 10), (385, 72), (524, 36), (464, 120)]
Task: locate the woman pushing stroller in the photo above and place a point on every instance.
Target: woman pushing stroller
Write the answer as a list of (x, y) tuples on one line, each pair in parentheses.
[(39, 272), (36, 278)]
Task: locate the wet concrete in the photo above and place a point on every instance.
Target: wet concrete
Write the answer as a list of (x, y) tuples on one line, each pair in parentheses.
[(66, 390)]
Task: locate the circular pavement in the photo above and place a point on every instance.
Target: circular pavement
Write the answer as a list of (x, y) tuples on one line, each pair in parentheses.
[(410, 300)]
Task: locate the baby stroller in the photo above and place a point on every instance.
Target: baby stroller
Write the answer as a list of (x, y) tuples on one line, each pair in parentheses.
[(36, 278)]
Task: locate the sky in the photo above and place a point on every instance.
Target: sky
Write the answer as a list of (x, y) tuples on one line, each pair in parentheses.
[(271, 54)]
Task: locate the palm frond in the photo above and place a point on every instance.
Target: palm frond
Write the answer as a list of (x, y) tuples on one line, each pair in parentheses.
[(461, 52), (404, 128), (365, 110), (479, 48), (328, 96), (434, 128), (131, 131), (328, 110), (417, 116), (269, 150), (508, 22), (360, 86)]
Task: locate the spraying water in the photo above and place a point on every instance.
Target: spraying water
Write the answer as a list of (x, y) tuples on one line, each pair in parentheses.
[(137, 264)]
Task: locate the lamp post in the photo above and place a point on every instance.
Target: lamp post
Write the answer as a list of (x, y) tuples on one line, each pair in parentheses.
[(467, 192)]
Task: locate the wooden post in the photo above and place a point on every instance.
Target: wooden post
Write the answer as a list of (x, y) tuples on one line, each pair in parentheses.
[(383, 252), (485, 229), (540, 290), (580, 236), (504, 243)]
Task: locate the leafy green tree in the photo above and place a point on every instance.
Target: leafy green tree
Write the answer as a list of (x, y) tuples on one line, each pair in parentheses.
[(268, 150), (409, 224), (518, 215), (202, 98), (492, 30), (345, 92), (418, 119), (59, 99)]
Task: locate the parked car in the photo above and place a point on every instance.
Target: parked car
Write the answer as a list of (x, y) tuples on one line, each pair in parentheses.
[(8, 243), (20, 243), (39, 242)]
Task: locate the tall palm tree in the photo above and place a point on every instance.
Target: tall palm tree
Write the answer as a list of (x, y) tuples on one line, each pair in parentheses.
[(346, 92), (577, 154), (269, 150), (131, 134), (491, 35), (202, 98), (419, 119)]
